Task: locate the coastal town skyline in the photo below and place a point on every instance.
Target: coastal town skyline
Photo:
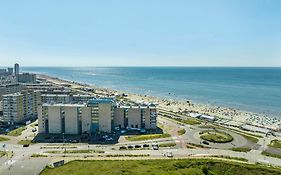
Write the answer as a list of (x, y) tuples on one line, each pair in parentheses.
[(157, 33)]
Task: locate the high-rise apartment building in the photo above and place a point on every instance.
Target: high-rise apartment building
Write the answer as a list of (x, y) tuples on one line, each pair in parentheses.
[(17, 69), (98, 115), (20, 106)]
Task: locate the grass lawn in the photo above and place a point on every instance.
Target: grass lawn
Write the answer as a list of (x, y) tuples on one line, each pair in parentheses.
[(241, 149), (167, 144), (6, 153), (250, 138), (271, 154), (216, 136), (16, 132), (192, 121), (161, 167), (181, 132), (147, 137), (275, 143), (25, 142), (38, 155), (74, 151), (2, 153), (4, 139)]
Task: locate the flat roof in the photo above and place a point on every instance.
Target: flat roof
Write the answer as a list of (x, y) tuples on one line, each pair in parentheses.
[(64, 105), (101, 100)]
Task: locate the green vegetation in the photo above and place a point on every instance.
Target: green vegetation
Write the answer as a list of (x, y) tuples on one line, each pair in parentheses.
[(231, 158), (38, 155), (179, 117), (147, 137), (16, 132), (181, 132), (167, 145), (25, 142), (249, 137), (196, 145), (2, 153), (163, 167), (126, 155), (191, 121), (74, 151), (58, 147), (216, 136), (4, 139), (275, 143), (241, 149), (9, 154), (271, 154)]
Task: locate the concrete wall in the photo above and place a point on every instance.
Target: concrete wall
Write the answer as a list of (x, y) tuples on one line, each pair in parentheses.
[(41, 128), (54, 120), (134, 118), (86, 119), (119, 117), (147, 118), (71, 120), (105, 115)]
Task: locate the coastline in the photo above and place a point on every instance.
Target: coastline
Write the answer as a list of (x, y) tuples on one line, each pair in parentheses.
[(225, 114)]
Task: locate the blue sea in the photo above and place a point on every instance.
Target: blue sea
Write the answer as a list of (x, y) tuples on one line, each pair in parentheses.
[(248, 89)]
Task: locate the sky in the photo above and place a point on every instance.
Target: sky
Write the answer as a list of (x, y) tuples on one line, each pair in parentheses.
[(140, 32)]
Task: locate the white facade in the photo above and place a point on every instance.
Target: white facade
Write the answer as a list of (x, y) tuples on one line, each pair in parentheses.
[(95, 116)]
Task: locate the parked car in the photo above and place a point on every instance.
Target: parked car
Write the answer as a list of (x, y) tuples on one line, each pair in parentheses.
[(130, 146), (155, 146), (169, 154), (122, 147), (145, 145), (137, 146), (25, 145), (205, 142), (109, 139)]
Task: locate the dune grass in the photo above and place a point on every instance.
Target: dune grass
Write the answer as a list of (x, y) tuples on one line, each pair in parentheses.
[(161, 167)]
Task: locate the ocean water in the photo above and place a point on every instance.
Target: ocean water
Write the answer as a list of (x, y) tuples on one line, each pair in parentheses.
[(248, 89)]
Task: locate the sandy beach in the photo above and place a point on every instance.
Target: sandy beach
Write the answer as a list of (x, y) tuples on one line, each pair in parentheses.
[(230, 115)]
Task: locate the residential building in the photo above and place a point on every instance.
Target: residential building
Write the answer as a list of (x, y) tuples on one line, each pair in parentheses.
[(20, 106), (13, 108), (17, 69), (102, 113), (135, 117), (97, 115), (10, 88), (10, 71), (26, 78), (55, 98)]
